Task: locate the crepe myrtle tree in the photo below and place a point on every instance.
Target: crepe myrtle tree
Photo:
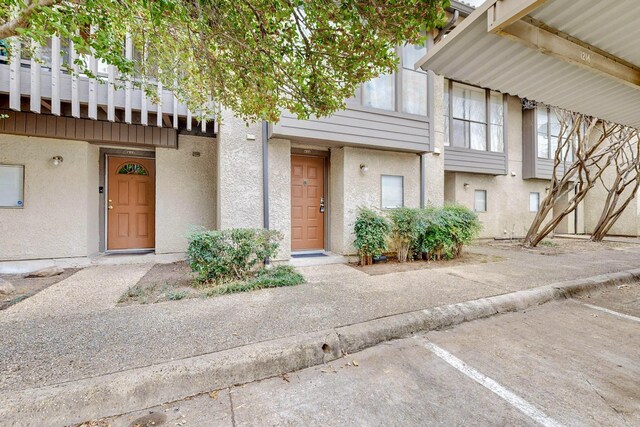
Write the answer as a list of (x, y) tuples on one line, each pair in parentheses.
[(587, 147), (623, 187), (254, 57)]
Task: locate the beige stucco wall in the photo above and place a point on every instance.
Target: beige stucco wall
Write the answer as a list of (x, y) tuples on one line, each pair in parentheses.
[(58, 200), (434, 161), (185, 191), (627, 225), (363, 189), (239, 174), (507, 195), (336, 201), (280, 193)]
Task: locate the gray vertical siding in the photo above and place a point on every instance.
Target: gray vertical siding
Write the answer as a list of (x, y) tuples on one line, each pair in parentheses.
[(49, 126)]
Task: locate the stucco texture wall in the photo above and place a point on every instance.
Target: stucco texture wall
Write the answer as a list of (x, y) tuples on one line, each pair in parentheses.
[(363, 189), (627, 225), (58, 200), (239, 174), (434, 162), (280, 193), (185, 191), (508, 213)]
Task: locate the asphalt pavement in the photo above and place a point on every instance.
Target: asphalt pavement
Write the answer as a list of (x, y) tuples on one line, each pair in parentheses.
[(569, 363)]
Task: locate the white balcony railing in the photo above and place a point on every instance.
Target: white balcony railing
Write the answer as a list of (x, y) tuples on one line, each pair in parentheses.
[(50, 85)]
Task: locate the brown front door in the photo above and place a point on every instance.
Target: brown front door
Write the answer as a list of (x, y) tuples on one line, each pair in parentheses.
[(131, 203), (307, 193)]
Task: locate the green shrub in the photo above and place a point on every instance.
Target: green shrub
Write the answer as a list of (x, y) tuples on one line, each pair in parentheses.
[(227, 255), (282, 275), (372, 232), (406, 224), (444, 231), (176, 295)]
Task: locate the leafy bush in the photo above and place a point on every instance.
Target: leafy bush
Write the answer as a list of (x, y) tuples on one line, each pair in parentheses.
[(227, 255), (444, 231), (405, 230), (372, 231), (282, 275)]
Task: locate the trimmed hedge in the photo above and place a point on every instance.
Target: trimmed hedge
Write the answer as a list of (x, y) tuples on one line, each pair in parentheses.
[(371, 230), (230, 255), (431, 233)]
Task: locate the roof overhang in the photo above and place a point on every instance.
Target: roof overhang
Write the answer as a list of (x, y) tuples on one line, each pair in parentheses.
[(579, 55)]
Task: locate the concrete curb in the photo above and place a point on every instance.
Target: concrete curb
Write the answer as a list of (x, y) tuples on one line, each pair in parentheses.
[(140, 388)]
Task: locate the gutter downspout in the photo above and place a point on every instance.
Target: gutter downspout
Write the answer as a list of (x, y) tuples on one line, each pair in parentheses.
[(265, 178), (422, 183)]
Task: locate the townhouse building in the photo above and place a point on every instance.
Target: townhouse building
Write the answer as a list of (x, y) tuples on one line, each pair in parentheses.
[(91, 166)]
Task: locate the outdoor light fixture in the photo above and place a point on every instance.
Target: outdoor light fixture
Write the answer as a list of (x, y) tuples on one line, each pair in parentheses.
[(465, 185), (364, 168), (513, 174), (56, 160)]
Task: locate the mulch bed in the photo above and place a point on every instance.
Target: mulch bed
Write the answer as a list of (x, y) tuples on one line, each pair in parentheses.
[(393, 266)]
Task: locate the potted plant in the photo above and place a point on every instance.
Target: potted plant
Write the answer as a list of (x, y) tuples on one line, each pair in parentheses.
[(371, 230)]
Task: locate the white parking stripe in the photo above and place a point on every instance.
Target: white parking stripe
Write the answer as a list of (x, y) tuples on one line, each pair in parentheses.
[(615, 313), (513, 399)]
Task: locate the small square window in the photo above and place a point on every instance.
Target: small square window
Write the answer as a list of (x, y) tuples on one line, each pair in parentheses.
[(480, 201), (534, 202), (11, 186), (392, 191)]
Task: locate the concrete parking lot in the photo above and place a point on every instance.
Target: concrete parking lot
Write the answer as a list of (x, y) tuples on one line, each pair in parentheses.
[(571, 363)]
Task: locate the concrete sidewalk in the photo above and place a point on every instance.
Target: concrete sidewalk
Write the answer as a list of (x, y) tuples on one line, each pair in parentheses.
[(71, 345)]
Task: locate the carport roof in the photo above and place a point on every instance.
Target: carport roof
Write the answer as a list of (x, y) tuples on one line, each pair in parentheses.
[(581, 55)]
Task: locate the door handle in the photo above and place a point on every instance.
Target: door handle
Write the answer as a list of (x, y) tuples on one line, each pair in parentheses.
[(321, 204), (109, 207)]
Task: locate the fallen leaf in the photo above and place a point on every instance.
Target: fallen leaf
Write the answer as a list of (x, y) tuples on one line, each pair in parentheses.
[(214, 394), (285, 377), (355, 363)]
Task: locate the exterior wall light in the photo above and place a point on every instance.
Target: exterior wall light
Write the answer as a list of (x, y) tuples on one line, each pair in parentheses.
[(364, 168), (513, 174), (56, 160), (465, 185)]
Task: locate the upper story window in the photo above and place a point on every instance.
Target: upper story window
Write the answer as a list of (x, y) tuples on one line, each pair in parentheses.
[(404, 91), (474, 117), (549, 132)]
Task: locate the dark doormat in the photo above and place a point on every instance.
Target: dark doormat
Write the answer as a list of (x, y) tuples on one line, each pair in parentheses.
[(309, 255)]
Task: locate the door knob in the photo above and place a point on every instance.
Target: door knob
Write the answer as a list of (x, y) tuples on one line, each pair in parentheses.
[(109, 207)]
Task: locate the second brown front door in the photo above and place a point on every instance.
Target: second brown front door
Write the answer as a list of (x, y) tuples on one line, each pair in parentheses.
[(131, 203), (307, 203)]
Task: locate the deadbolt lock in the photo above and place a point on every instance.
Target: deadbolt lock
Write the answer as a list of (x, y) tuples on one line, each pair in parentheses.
[(321, 204)]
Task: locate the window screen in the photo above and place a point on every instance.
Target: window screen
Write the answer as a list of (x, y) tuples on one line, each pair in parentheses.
[(11, 186), (534, 202), (480, 201), (392, 191)]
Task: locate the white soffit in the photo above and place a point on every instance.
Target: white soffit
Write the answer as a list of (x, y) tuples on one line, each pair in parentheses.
[(473, 55)]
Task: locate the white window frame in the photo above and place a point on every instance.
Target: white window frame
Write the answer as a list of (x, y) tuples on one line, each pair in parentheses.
[(382, 177), (537, 208), (20, 201), (551, 154), (475, 204)]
